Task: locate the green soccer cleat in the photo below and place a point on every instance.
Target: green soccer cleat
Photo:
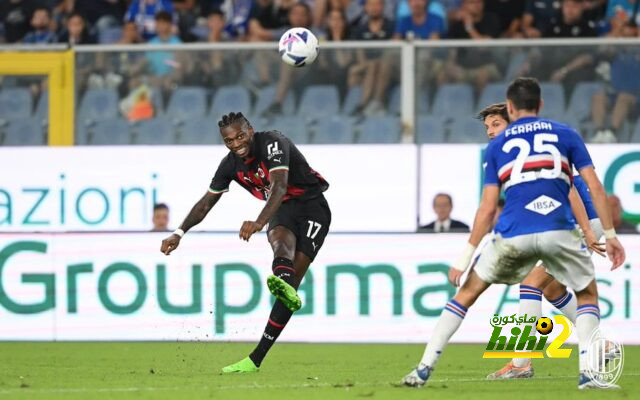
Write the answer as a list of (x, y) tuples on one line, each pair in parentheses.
[(284, 292), (241, 367)]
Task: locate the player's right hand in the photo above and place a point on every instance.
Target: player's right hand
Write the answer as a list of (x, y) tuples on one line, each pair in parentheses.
[(593, 244), (170, 244), (615, 251)]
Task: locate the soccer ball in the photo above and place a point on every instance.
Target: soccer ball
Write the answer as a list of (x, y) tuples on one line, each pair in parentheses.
[(298, 47), (544, 325)]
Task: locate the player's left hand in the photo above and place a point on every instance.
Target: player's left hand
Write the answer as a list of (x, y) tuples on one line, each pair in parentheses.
[(454, 276), (249, 228)]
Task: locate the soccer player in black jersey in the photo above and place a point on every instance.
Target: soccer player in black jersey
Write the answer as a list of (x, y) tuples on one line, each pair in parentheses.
[(271, 168)]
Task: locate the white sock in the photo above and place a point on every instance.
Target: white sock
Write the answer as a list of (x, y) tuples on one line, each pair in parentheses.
[(587, 321), (568, 304), (531, 305), (447, 325)]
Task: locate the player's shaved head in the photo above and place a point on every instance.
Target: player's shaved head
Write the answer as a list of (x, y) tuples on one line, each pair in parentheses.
[(524, 94)]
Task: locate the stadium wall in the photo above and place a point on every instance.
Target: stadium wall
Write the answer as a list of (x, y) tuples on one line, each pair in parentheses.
[(362, 288)]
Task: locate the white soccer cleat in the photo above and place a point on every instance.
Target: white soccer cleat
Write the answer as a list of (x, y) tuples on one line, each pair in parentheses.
[(587, 382), (417, 377), (510, 371)]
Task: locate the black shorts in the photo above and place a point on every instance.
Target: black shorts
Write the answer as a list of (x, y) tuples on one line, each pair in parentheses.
[(309, 220)]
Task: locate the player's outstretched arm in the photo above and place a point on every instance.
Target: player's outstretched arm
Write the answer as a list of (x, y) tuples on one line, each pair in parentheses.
[(615, 251), (481, 225), (577, 207), (196, 215), (278, 179)]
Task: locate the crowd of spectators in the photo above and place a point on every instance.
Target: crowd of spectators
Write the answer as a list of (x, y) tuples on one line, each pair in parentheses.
[(91, 21), (373, 70)]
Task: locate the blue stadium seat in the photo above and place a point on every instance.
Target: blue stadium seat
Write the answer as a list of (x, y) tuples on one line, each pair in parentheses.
[(422, 101), (319, 101), (333, 130), (430, 130), (202, 130), (230, 98), (155, 131), (267, 95), (467, 130), (491, 94), (554, 100), (380, 130), (453, 100), (295, 128), (24, 132), (98, 104), (15, 103), (187, 103), (110, 35), (113, 131), (580, 102), (352, 99)]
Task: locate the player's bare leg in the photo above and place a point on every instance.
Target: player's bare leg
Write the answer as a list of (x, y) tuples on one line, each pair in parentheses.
[(288, 268), (448, 323)]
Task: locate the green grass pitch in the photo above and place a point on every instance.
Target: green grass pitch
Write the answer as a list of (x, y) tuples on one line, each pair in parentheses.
[(302, 371)]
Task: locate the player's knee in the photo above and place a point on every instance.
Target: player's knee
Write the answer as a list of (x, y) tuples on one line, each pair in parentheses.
[(554, 290), (281, 248)]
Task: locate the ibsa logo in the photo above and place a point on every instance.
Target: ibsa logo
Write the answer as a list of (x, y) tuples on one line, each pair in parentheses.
[(543, 205), (501, 346)]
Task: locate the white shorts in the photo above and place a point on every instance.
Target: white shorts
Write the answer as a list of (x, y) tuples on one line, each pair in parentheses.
[(596, 227), (564, 254)]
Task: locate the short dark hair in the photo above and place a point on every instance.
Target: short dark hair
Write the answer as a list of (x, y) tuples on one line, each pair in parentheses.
[(164, 16), (215, 11), (232, 118), (524, 93), (448, 196), (494, 109), (160, 206)]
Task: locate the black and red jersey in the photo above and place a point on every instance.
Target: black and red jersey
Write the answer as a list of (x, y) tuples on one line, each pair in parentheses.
[(271, 151)]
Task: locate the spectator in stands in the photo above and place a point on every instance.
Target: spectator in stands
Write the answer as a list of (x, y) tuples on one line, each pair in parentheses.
[(572, 23), (333, 67), (615, 208), (76, 31), (130, 35), (421, 24), (509, 13), (42, 32), (101, 14), (372, 69), (538, 15), (442, 206), (299, 16), (321, 9), (218, 67), (434, 7), (15, 15), (164, 66), (237, 13), (142, 13), (623, 18), (186, 17), (621, 95), (269, 19), (472, 65), (160, 218)]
